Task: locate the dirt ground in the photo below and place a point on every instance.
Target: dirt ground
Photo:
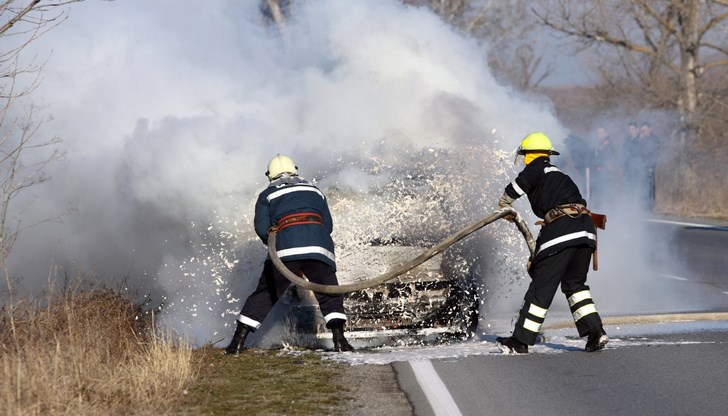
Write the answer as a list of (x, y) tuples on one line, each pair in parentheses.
[(374, 391)]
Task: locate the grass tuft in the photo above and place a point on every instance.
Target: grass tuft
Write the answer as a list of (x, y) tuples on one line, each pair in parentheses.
[(88, 352)]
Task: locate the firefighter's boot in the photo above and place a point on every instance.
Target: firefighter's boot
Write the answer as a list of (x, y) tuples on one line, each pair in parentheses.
[(337, 331), (511, 345), (236, 345), (596, 340)]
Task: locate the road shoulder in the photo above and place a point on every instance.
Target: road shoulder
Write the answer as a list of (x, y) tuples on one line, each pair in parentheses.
[(373, 391)]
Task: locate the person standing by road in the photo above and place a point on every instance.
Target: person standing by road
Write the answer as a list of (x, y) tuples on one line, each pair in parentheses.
[(649, 153), (580, 156), (605, 175), (640, 153), (563, 248), (633, 166), (299, 211)]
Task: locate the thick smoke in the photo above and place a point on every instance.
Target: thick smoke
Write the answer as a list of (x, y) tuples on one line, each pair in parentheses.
[(171, 110)]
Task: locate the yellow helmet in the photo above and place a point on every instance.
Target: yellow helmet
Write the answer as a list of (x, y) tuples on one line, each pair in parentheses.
[(536, 142), (280, 165)]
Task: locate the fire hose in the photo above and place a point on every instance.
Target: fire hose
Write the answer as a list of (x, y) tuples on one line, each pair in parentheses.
[(435, 250)]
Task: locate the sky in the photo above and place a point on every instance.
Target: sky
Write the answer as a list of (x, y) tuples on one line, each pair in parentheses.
[(169, 112)]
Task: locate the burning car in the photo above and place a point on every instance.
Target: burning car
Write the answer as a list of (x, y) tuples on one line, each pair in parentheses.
[(390, 219)]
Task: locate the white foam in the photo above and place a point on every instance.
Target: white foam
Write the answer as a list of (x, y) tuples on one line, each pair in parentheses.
[(557, 342)]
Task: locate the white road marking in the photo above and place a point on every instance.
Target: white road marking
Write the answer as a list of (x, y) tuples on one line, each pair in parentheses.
[(669, 276), (682, 279), (435, 390), (682, 223)]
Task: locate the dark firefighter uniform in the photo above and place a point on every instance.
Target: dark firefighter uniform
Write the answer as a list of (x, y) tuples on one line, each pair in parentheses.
[(301, 213), (563, 249)]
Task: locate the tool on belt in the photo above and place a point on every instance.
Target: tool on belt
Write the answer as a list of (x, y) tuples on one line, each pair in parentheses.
[(298, 219), (574, 211)]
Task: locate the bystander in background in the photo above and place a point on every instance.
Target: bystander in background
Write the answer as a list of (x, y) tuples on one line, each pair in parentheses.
[(650, 146), (605, 169), (640, 152), (580, 154)]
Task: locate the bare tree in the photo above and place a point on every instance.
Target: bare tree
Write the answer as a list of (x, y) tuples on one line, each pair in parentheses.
[(675, 52), (661, 41), (24, 154)]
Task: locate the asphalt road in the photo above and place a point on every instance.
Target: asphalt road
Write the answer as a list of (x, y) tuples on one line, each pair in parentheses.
[(702, 247), (648, 368), (669, 374)]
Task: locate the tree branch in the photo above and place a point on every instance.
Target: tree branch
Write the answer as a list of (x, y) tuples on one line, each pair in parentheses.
[(712, 23), (4, 28), (714, 64)]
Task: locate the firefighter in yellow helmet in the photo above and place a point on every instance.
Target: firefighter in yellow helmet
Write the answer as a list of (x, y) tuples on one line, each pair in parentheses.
[(563, 248), (300, 212)]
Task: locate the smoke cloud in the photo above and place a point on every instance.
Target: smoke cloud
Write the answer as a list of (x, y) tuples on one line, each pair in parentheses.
[(170, 111)]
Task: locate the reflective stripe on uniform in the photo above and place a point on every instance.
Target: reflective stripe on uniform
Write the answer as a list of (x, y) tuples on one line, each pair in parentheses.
[(289, 189), (578, 297), (584, 311), (551, 169), (537, 311), (306, 250), (517, 188), (567, 237), (249, 322), (532, 326), (334, 315)]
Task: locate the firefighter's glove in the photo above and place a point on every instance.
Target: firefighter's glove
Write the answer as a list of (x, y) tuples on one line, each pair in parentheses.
[(505, 201)]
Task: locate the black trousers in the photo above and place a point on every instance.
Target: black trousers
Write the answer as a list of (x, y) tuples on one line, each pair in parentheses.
[(272, 284), (567, 268)]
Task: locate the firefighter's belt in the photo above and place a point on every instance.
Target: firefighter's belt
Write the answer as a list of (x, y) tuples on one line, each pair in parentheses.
[(572, 210), (299, 219)]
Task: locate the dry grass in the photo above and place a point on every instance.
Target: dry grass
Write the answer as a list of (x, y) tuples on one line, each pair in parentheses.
[(88, 352)]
